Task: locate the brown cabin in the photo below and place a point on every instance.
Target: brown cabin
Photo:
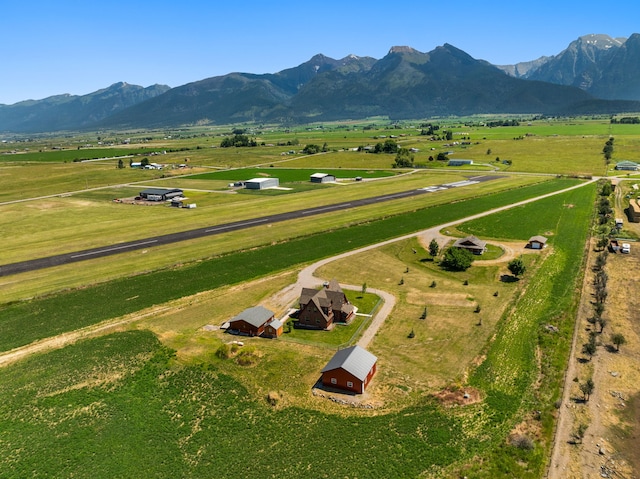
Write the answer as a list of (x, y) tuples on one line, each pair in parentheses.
[(537, 242), (471, 243), (273, 329), (321, 308), (251, 322)]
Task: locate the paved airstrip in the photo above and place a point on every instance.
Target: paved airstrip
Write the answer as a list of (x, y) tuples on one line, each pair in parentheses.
[(57, 260)]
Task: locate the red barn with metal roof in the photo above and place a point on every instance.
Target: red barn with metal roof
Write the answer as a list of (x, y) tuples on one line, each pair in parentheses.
[(350, 369)]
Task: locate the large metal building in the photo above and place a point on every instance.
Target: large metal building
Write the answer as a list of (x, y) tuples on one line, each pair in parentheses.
[(262, 183), (160, 194), (322, 178)]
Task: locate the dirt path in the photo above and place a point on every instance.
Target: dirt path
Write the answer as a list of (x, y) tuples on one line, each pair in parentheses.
[(306, 278), (65, 339), (511, 249)]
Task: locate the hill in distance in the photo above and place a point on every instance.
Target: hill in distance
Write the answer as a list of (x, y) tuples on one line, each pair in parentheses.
[(72, 112), (405, 83)]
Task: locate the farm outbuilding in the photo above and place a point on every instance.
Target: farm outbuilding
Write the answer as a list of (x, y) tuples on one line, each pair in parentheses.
[(273, 329), (473, 244), (160, 194), (634, 211), (350, 369), (459, 162), (322, 178), (627, 165), (251, 322), (261, 183), (537, 242)]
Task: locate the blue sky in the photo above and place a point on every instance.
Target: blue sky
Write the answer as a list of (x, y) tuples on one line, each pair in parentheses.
[(68, 46)]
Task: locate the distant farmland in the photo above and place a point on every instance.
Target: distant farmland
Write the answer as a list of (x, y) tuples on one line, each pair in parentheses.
[(286, 175)]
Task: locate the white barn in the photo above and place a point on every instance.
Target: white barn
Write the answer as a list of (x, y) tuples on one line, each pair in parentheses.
[(322, 178), (261, 183)]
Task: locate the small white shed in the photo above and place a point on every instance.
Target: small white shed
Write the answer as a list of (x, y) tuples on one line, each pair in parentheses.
[(322, 178)]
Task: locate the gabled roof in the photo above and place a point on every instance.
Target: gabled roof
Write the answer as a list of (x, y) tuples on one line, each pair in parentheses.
[(275, 324), (626, 163), (470, 241), (355, 360), (160, 191), (331, 295), (256, 316), (334, 285), (538, 238), (261, 180)]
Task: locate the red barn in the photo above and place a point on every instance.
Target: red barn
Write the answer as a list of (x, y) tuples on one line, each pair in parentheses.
[(252, 321), (350, 369)]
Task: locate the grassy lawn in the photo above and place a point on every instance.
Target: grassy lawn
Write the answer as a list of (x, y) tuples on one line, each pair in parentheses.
[(339, 337), (452, 334), (286, 175), (492, 252)]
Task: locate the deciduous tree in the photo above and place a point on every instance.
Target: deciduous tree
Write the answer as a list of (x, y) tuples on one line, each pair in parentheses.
[(434, 248), (457, 259), (618, 339), (587, 388), (517, 267)]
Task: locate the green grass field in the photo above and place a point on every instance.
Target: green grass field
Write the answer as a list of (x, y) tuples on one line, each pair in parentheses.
[(80, 222), (75, 154), (289, 175), (154, 399), (116, 392), (25, 322)]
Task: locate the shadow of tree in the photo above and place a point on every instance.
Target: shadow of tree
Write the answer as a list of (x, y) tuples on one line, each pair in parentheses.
[(507, 278), (611, 349)]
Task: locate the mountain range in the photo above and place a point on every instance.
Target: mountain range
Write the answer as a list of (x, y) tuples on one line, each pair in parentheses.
[(594, 74), (72, 112)]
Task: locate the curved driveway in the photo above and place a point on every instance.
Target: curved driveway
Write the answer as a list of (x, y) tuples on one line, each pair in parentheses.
[(307, 278)]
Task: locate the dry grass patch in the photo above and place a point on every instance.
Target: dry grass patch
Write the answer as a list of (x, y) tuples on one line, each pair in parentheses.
[(449, 338), (453, 396)]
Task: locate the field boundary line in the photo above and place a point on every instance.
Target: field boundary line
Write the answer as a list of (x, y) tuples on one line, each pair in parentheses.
[(66, 339)]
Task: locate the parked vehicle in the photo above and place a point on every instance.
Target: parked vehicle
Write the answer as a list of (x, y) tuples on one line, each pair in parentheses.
[(614, 246), (626, 248)]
